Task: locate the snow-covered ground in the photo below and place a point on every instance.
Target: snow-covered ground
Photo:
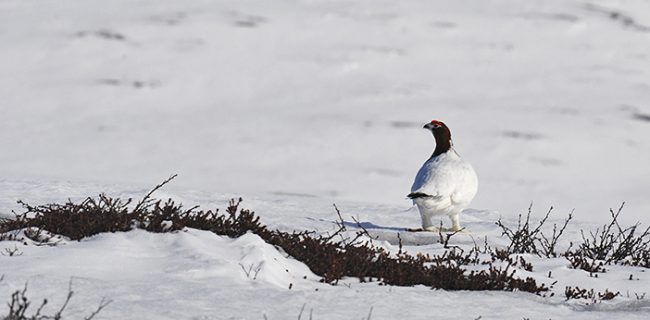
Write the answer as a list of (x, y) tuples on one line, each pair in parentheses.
[(197, 275), (327, 98), (297, 104)]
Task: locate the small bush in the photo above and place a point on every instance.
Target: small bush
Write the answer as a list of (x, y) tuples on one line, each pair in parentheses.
[(579, 261), (526, 239), (609, 244), (614, 244), (593, 297)]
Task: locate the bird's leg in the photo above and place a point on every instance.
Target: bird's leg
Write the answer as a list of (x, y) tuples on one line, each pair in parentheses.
[(427, 225), (455, 222), (432, 229)]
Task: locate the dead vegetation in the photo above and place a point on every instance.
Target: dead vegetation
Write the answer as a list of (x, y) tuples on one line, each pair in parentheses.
[(336, 256), (326, 256), (593, 297), (609, 244), (614, 244), (19, 307), (526, 239)]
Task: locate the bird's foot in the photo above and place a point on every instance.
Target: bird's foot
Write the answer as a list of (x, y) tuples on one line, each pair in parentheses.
[(427, 229), (434, 229), (438, 230), (414, 229), (456, 230)]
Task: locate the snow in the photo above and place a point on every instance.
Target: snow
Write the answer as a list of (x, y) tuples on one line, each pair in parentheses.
[(198, 275), (326, 98), (297, 104), (194, 274)]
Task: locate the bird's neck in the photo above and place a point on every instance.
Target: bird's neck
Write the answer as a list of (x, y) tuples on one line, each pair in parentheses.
[(443, 142)]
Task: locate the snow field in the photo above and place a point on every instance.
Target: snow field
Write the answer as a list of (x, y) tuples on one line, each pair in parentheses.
[(296, 104)]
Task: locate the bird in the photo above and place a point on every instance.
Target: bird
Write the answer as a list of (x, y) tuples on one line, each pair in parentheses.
[(445, 184)]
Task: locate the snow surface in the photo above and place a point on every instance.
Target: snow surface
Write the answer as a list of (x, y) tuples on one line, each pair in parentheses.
[(195, 274), (297, 104), (327, 98)]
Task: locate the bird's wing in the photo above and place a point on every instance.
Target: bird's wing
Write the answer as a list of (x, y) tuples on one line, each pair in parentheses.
[(446, 182), (428, 191), (432, 181)]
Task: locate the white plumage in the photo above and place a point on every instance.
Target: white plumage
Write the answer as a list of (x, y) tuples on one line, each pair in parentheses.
[(445, 184)]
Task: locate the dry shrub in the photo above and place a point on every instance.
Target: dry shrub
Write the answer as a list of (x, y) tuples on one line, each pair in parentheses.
[(19, 307), (330, 259), (593, 297)]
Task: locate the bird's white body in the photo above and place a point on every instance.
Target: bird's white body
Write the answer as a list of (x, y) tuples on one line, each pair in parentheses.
[(449, 184)]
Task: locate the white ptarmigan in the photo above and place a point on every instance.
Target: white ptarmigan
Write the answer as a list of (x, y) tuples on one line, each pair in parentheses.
[(446, 184)]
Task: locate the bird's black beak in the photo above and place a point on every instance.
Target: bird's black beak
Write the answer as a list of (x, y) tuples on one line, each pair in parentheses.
[(428, 126)]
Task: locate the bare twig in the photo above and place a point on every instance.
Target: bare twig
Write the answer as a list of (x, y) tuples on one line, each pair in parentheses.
[(146, 200), (102, 305), (548, 245), (399, 241), (252, 271), (57, 315), (369, 313), (12, 252), (445, 240), (340, 223), (301, 310), (364, 231)]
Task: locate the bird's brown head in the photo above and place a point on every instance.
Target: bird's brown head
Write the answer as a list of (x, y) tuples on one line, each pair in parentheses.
[(435, 125), (442, 135)]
